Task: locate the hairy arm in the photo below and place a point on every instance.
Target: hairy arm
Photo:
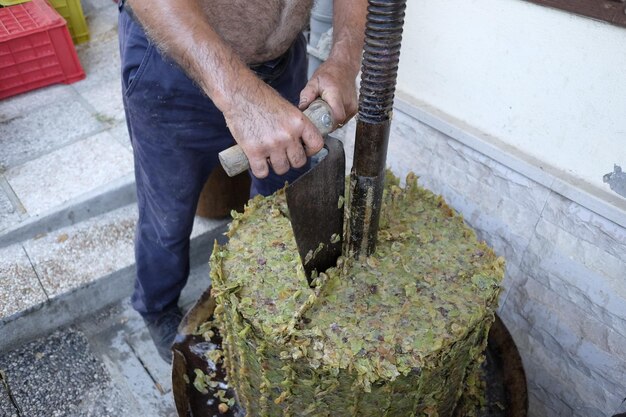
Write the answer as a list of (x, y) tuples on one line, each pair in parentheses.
[(334, 80), (266, 126)]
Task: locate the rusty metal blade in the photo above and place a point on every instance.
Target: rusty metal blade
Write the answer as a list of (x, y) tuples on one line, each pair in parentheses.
[(316, 212)]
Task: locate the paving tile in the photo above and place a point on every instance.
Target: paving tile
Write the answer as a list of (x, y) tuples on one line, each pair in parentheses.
[(88, 7), (8, 215), (144, 348), (102, 22), (58, 376), (19, 287), (75, 256), (78, 255), (120, 133), (55, 178), (130, 373), (198, 282), (22, 104), (96, 6), (101, 62), (106, 99), (34, 133)]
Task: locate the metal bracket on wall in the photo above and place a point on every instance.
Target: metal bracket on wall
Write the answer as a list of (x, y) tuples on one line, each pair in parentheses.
[(616, 180)]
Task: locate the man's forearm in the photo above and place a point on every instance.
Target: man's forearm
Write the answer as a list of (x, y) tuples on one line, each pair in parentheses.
[(181, 31), (348, 33), (264, 124)]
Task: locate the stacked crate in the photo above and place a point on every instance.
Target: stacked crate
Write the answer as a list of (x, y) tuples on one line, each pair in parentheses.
[(72, 12), (35, 49)]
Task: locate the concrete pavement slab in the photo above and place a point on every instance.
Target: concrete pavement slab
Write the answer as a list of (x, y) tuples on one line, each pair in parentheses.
[(42, 130), (93, 6), (58, 376), (129, 372), (199, 281), (22, 104), (19, 286), (9, 216), (101, 62), (102, 22), (106, 99), (116, 194), (136, 380), (87, 267), (120, 133), (160, 372), (75, 256), (55, 178)]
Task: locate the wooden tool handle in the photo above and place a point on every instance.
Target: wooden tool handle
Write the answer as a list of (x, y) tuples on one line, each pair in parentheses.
[(234, 161)]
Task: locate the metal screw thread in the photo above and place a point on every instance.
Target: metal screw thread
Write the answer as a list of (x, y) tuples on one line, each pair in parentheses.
[(381, 54)]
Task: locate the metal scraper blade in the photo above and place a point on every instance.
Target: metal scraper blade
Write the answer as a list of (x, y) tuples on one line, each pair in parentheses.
[(316, 211)]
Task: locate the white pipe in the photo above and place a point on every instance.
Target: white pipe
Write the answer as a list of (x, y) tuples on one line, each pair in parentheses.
[(320, 36)]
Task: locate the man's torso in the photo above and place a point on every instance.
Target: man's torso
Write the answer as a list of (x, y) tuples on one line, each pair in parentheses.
[(258, 30)]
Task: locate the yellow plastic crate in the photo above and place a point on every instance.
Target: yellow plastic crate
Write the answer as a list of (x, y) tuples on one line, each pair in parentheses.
[(72, 12), (5, 3)]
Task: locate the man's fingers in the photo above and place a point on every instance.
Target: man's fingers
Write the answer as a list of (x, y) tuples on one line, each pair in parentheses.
[(259, 168), (280, 162), (313, 141), (307, 96), (296, 155), (336, 105)]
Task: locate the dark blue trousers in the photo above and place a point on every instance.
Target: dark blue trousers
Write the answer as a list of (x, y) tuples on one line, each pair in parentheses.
[(176, 134)]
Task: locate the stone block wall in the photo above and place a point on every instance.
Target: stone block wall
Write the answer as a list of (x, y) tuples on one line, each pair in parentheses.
[(564, 296)]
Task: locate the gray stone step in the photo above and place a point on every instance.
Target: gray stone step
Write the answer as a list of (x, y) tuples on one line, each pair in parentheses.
[(94, 203), (54, 279), (105, 365), (71, 184)]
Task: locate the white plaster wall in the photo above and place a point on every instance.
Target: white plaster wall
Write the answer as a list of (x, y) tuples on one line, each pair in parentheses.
[(545, 81)]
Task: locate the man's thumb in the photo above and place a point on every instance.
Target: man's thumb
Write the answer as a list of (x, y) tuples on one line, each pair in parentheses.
[(306, 97)]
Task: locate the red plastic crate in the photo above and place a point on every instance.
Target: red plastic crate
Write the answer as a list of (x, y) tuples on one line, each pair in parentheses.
[(35, 49)]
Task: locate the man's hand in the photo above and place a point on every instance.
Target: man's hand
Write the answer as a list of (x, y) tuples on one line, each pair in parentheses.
[(267, 127), (270, 129), (334, 82)]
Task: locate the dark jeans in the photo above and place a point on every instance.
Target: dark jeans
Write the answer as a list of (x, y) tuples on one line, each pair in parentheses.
[(176, 134)]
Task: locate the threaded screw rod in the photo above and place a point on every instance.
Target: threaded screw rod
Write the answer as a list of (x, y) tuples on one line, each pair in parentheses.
[(381, 55)]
